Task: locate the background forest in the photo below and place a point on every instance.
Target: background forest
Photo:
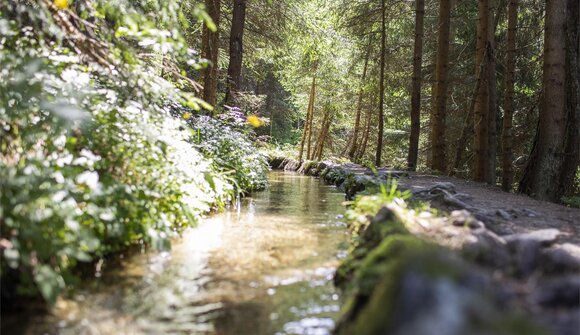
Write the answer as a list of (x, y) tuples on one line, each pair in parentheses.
[(451, 86)]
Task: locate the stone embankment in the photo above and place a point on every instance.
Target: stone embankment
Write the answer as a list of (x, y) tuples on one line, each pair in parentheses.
[(414, 270)]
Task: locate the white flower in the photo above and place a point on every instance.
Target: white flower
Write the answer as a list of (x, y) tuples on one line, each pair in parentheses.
[(89, 178)]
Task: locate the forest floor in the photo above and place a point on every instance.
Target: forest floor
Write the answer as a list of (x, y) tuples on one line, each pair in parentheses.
[(504, 213)]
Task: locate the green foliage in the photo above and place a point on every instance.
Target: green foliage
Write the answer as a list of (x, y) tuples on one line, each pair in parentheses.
[(231, 151), (91, 159)]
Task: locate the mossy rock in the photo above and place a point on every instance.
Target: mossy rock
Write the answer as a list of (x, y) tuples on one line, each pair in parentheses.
[(384, 224), (356, 183), (406, 286)]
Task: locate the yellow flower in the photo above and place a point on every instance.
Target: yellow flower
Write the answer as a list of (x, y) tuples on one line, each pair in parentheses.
[(186, 115), (255, 121), (61, 4)]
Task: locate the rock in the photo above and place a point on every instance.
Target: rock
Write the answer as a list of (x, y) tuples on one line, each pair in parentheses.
[(356, 183), (488, 249), (386, 174), (429, 293), (503, 214), (558, 292), (463, 218), (463, 197), (560, 258), (526, 248), (291, 165), (529, 212), (544, 236)]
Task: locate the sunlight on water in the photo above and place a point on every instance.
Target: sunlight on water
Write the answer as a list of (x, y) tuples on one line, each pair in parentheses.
[(264, 266)]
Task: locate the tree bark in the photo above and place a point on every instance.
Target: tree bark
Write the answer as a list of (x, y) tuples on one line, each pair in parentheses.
[(210, 48), (416, 86), (362, 148), (492, 96), (236, 51), (306, 133), (324, 129), (381, 87), (544, 170), (356, 133), (481, 119), (507, 129), (311, 120), (438, 126), (572, 147)]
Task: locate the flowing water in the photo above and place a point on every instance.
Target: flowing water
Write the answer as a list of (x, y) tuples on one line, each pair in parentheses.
[(262, 267)]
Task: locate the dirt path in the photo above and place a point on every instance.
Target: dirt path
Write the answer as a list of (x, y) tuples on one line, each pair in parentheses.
[(504, 213)]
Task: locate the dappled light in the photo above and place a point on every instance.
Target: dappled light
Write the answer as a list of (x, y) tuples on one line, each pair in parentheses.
[(296, 167)]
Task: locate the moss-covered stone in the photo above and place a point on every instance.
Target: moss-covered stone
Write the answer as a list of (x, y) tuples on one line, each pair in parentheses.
[(406, 286), (383, 225)]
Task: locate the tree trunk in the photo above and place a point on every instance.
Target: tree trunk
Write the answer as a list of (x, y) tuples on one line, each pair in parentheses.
[(306, 133), (572, 154), (381, 87), (236, 51), (325, 128), (507, 130), (311, 120), (210, 47), (468, 128), (363, 147), (492, 104), (438, 126), (484, 118), (544, 170), (320, 134), (481, 97), (416, 86), (356, 133)]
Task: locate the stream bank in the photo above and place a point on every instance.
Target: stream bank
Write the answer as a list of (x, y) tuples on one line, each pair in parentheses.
[(448, 262), (262, 267)]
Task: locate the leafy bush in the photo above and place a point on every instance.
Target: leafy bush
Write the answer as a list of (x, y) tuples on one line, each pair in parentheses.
[(230, 148), (91, 159)]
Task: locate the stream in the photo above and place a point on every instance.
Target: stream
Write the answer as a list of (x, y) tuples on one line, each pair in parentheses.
[(264, 266)]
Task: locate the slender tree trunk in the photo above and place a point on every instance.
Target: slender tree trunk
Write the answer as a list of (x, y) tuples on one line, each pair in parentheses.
[(381, 87), (327, 121), (468, 128), (311, 120), (363, 147), (483, 110), (544, 169), (492, 104), (438, 126), (416, 86), (306, 133), (356, 133), (319, 140), (210, 47), (236, 51), (507, 130)]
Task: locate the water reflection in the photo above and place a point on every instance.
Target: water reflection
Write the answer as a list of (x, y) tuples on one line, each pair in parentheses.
[(263, 267)]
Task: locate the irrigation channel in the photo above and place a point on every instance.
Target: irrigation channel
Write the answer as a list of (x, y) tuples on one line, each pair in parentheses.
[(264, 266)]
